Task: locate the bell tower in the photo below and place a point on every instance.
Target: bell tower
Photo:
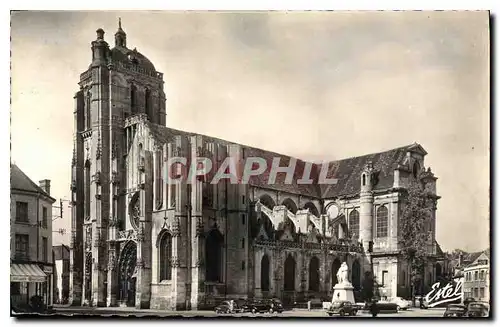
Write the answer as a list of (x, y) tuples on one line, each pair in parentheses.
[(119, 85)]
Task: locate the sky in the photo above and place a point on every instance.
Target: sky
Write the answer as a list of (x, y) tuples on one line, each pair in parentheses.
[(314, 85)]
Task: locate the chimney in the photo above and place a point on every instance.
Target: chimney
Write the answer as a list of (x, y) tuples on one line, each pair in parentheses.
[(45, 185)]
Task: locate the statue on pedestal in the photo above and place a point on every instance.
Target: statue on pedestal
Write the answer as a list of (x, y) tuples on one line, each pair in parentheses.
[(342, 274), (343, 291)]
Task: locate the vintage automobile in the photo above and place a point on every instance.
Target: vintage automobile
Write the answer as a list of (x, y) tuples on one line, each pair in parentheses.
[(455, 310), (259, 306), (477, 309), (468, 300), (401, 303), (225, 307), (382, 307), (342, 308), (275, 305)]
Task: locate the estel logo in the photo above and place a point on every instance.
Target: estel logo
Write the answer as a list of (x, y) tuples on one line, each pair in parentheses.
[(449, 293)]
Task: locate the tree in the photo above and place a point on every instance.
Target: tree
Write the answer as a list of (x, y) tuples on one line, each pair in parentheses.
[(415, 235)]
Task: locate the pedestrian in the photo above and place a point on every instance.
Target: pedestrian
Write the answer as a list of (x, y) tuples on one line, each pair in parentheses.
[(231, 306), (374, 308)]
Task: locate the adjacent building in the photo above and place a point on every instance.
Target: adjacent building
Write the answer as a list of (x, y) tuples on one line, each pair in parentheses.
[(138, 240), (61, 273), (477, 276), (31, 265)]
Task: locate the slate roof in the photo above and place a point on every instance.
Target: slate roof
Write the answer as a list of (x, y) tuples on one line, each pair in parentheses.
[(19, 181), (346, 171)]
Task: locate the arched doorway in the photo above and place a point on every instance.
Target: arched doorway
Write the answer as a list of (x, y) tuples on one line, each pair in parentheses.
[(289, 274), (356, 275), (213, 256), (314, 274), (88, 278), (335, 269), (264, 273), (127, 274)]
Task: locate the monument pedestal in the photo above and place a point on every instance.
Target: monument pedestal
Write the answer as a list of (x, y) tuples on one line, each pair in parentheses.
[(343, 292)]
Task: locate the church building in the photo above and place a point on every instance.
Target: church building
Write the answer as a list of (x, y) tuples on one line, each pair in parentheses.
[(138, 240)]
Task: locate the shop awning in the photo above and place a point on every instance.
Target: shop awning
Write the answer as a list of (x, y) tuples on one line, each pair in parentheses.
[(20, 272)]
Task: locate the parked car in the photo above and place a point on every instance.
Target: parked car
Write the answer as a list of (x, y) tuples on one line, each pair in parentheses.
[(275, 305), (259, 306), (342, 308), (468, 300), (225, 307), (382, 307), (455, 310), (401, 303), (477, 309)]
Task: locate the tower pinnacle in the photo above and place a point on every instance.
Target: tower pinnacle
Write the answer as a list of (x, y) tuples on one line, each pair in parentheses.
[(120, 35)]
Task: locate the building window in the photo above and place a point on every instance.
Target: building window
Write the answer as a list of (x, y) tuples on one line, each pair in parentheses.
[(133, 99), (243, 199), (243, 265), (364, 179), (147, 101), (22, 246), (403, 278), (88, 110), (384, 277), (481, 275), (86, 201), (476, 277), (22, 212), (481, 292), (166, 257), (213, 252), (354, 223), (45, 249), (382, 221), (242, 243), (44, 217), (476, 292), (416, 169), (243, 219)]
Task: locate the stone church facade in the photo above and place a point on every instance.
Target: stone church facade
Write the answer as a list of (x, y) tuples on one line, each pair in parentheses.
[(140, 241)]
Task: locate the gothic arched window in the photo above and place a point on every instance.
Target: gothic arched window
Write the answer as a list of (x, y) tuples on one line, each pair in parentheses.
[(314, 274), (148, 103), (133, 99), (354, 223), (87, 177), (88, 110), (165, 259), (264, 273), (382, 221), (213, 256)]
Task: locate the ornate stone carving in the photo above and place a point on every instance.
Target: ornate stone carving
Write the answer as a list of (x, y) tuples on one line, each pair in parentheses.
[(127, 235), (139, 263), (98, 151), (97, 178), (98, 196), (71, 267), (140, 234), (200, 228), (177, 151), (112, 221), (88, 237), (114, 149), (175, 262), (176, 228), (199, 151), (73, 160), (73, 186), (112, 260), (199, 263), (115, 178)]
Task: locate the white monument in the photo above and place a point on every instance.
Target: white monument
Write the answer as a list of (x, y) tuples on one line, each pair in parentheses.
[(343, 291)]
